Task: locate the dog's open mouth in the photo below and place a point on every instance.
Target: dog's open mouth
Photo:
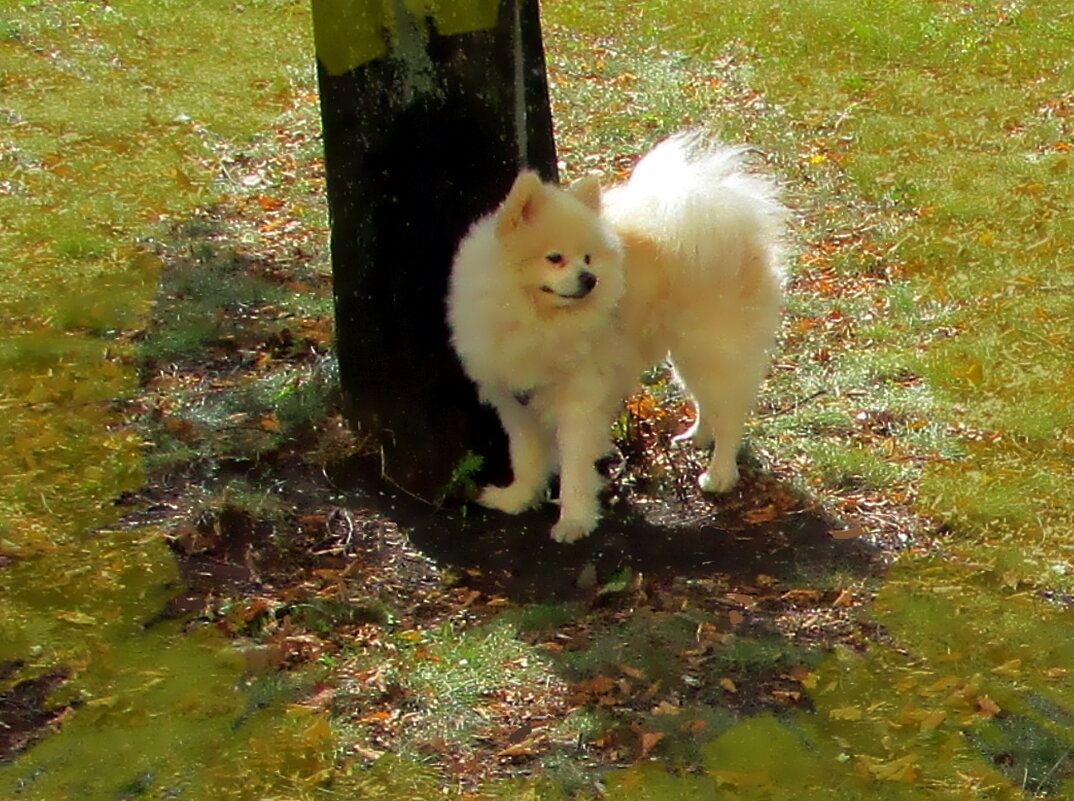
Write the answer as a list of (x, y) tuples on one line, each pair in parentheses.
[(586, 282), (581, 293)]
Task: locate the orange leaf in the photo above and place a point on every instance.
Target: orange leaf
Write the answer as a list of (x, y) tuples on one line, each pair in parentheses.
[(649, 740), (765, 514), (696, 726), (846, 598), (987, 706), (633, 672)]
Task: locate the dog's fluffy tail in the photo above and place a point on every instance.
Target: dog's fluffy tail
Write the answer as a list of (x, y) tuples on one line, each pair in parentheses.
[(694, 197)]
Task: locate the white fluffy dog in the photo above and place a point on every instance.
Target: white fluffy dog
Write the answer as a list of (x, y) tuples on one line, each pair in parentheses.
[(561, 298)]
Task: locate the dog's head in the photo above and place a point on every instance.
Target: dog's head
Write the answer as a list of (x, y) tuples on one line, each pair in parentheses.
[(565, 255)]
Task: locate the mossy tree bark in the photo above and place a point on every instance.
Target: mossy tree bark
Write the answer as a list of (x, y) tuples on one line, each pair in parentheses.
[(428, 117)]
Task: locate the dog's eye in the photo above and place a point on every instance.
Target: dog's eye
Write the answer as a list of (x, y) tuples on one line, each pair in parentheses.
[(555, 258), (586, 258)]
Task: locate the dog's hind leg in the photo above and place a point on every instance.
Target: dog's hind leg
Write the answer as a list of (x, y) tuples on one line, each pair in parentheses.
[(532, 457), (698, 433), (724, 386)]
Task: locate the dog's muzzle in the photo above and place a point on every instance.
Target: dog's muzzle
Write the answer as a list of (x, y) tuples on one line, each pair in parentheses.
[(586, 283)]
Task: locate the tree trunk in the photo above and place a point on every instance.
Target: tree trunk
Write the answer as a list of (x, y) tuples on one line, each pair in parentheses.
[(426, 123)]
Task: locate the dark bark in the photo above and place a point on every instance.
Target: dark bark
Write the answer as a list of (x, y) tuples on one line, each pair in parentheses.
[(418, 144)]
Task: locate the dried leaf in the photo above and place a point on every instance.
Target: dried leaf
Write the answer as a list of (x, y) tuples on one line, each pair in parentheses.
[(845, 599), (903, 769), (747, 601), (805, 677), (633, 672), (933, 720), (649, 740), (802, 597), (765, 514), (77, 618), (1010, 670), (846, 713)]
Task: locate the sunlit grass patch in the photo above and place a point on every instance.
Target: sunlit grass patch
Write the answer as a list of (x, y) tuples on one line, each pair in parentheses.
[(94, 163), (955, 124), (459, 692), (927, 150)]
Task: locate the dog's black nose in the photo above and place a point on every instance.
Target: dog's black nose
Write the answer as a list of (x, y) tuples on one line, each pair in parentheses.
[(587, 280)]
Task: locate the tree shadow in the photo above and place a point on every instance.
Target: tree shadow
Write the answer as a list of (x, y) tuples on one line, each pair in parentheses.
[(515, 557)]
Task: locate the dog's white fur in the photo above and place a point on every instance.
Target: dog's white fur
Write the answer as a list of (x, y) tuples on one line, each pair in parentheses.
[(560, 299)]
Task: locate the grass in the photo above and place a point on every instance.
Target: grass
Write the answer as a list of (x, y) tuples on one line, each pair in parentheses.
[(965, 159), (116, 120), (926, 149), (72, 67)]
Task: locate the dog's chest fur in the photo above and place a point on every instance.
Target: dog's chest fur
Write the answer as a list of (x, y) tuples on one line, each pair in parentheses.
[(540, 353)]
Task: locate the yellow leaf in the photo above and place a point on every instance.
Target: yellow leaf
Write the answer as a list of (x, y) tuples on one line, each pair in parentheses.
[(805, 677), (1011, 669), (740, 778), (107, 701), (945, 683), (846, 713), (973, 372), (933, 719), (319, 732), (77, 618), (903, 769)]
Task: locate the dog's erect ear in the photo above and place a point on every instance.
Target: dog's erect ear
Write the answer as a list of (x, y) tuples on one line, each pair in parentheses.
[(521, 204), (587, 190)]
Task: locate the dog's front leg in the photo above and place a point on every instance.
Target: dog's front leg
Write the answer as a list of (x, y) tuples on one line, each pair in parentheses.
[(583, 437), (531, 456)]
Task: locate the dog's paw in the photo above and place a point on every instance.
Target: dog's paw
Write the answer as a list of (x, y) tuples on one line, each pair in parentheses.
[(571, 530), (719, 481), (511, 499)]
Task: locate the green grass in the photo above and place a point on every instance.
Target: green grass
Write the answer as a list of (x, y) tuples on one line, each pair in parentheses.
[(117, 122), (929, 143), (452, 684), (926, 148), (955, 127), (114, 118)]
